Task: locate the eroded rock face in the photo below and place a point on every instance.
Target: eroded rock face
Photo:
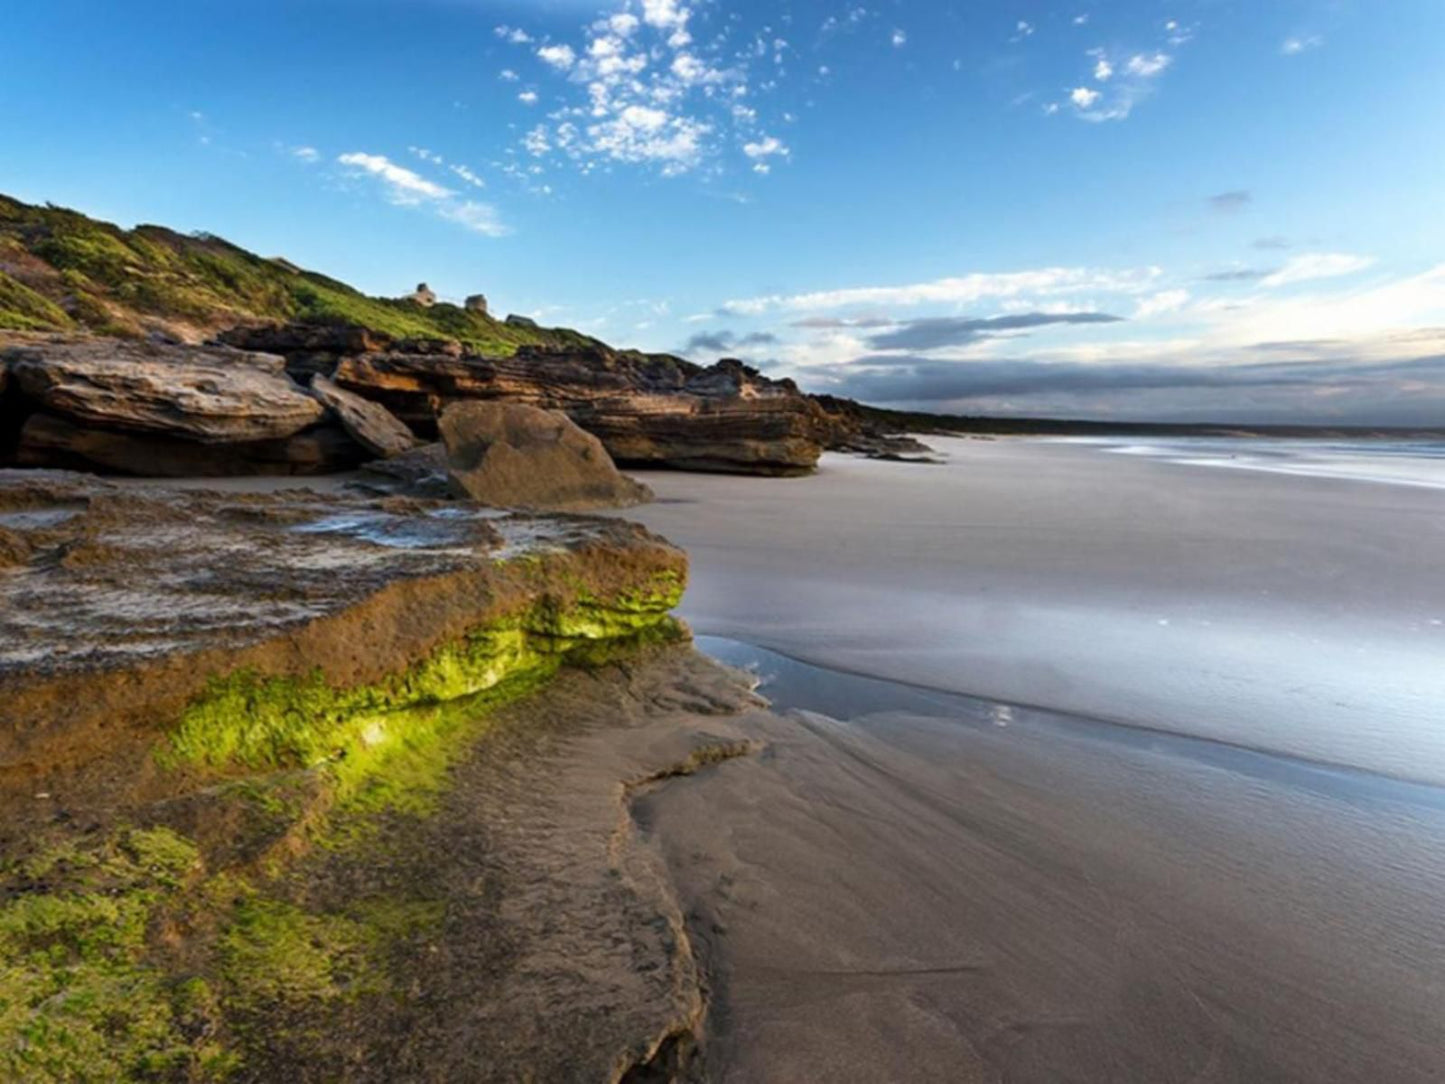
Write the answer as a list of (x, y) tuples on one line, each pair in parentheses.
[(204, 394), (646, 409), (514, 456), (309, 349), (120, 606), (370, 424), (49, 441)]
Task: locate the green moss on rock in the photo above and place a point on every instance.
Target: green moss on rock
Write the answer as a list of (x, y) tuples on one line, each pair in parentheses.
[(78, 1000)]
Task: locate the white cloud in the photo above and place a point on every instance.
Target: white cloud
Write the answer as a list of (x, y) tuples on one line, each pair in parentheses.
[(1159, 304), (1103, 70), (1084, 97), (665, 14), (527, 97), (306, 154), (507, 75), (1311, 266), (427, 156), (899, 39), (766, 148), (406, 188), (467, 175), (1293, 46), (478, 217), (513, 36), (536, 141), (1081, 20), (1148, 66), (403, 186), (639, 90), (623, 24), (1025, 29), (561, 57), (963, 290)]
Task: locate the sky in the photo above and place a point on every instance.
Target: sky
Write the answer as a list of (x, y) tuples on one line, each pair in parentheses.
[(1200, 210)]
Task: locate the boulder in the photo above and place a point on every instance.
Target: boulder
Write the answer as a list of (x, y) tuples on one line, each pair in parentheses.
[(515, 456), (205, 394), (513, 320), (370, 424), (421, 472)]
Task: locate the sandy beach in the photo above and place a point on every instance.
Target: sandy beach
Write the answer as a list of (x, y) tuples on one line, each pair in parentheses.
[(1294, 614), (912, 884)]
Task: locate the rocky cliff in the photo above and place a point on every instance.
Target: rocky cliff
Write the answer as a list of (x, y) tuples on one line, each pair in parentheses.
[(83, 392)]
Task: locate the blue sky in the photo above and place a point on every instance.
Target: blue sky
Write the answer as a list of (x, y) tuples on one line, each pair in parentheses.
[(1198, 209)]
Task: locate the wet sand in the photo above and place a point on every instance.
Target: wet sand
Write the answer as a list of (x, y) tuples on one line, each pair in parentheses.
[(909, 884), (1301, 615), (948, 889)]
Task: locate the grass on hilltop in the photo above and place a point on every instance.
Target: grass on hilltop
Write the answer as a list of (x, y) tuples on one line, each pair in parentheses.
[(62, 271)]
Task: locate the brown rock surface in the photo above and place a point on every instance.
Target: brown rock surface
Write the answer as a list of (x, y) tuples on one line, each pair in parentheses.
[(370, 424), (129, 599), (206, 394), (513, 456), (646, 409), (48, 441)]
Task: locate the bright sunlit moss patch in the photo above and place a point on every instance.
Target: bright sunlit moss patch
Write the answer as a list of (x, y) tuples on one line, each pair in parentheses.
[(245, 720), (78, 1000)]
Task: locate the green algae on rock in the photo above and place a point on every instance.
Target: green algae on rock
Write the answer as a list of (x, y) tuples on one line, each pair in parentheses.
[(136, 611), (217, 685)]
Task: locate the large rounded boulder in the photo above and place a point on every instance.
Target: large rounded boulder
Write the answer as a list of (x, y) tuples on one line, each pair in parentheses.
[(513, 456)]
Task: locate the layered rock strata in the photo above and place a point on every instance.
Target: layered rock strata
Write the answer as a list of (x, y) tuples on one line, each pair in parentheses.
[(648, 410)]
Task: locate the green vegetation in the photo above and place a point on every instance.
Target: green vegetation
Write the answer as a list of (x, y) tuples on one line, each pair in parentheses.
[(78, 1001), (246, 721), (59, 269), (22, 309), (134, 955)]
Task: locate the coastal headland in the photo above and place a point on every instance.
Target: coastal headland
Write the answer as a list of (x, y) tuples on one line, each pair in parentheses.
[(333, 751)]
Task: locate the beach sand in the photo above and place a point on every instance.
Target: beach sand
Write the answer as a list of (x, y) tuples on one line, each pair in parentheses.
[(1301, 615), (907, 884)]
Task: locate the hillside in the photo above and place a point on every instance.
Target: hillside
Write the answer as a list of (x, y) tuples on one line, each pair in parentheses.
[(63, 271)]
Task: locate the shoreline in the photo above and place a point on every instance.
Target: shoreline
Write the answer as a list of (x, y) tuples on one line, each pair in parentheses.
[(805, 687), (1303, 616)]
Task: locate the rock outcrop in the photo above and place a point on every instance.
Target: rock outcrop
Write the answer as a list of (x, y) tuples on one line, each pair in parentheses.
[(214, 396), (647, 409), (513, 456), (308, 348), (371, 425), (49, 441), (231, 729), (139, 602), (476, 303), (165, 410), (423, 296)]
